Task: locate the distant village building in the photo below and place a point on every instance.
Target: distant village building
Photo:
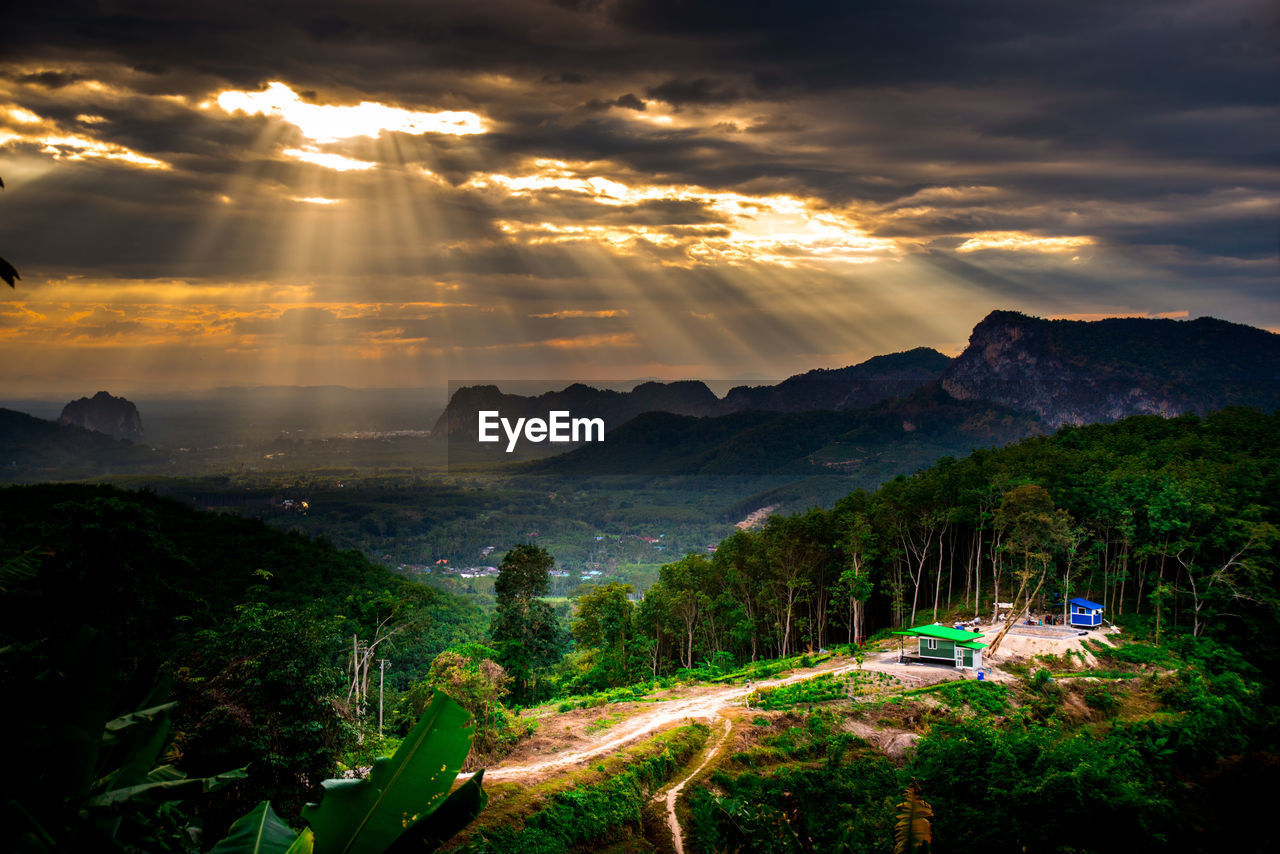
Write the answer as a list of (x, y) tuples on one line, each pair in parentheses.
[(1085, 613), (943, 645)]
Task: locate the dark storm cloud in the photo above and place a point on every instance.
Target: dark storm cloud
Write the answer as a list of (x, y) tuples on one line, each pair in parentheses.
[(1124, 122), (699, 90), (48, 79), (628, 102)]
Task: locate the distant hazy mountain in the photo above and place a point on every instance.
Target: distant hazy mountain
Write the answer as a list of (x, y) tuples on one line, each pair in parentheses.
[(888, 438), (1019, 375), (877, 379), (32, 448), (114, 416), (615, 407), (1081, 372), (880, 378)]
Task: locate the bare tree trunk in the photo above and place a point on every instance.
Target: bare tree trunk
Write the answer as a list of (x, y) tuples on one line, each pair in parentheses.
[(1124, 576), (937, 586), (977, 577), (1015, 611)]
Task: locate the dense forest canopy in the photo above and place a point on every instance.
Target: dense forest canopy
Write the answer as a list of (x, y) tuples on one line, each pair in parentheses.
[(1172, 517), (256, 631), (272, 644)]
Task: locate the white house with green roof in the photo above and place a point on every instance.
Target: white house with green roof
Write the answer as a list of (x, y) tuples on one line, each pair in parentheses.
[(945, 645)]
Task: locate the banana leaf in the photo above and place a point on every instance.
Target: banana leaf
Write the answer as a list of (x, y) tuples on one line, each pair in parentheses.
[(367, 816), (432, 830), (913, 833), (260, 831), (165, 789)]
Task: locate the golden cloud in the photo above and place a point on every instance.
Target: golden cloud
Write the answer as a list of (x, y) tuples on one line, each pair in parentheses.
[(1019, 241), (779, 229), (332, 122), (575, 313)]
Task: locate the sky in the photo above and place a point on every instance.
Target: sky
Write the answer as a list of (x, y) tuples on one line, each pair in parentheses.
[(400, 193)]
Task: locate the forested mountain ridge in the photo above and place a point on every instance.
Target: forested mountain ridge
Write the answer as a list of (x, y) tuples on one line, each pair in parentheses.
[(882, 440), (864, 384), (615, 407), (877, 379), (1018, 377), (1081, 372), (1176, 517), (29, 444), (254, 627)]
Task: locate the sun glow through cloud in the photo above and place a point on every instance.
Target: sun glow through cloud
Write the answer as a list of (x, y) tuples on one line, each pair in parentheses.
[(336, 162), (596, 200), (1018, 241), (779, 229), (330, 122), (55, 141)]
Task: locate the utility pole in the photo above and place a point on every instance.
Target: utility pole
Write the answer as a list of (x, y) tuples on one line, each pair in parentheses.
[(382, 676)]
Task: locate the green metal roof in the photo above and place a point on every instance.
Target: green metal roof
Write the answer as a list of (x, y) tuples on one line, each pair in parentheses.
[(972, 645), (943, 632)]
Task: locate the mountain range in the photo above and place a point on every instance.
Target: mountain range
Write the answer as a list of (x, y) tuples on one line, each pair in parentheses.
[(1082, 372), (877, 379), (1018, 376), (30, 445)]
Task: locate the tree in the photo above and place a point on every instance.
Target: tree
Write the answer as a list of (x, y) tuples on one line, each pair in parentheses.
[(798, 550), (602, 626), (476, 682), (683, 581), (741, 562), (266, 697), (525, 574), (1034, 529), (651, 619), (524, 628), (855, 583)]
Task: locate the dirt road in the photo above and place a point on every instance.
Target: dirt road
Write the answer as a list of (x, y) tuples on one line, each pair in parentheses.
[(673, 823), (706, 703)]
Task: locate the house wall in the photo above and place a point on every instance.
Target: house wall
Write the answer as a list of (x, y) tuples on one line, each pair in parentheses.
[(946, 650)]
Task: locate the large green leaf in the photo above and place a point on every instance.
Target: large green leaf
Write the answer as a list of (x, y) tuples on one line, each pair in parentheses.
[(432, 830), (139, 738), (366, 816), (260, 831), (141, 716), (913, 834), (304, 844), (165, 788)]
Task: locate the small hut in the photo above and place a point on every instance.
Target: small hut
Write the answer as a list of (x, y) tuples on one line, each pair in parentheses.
[(1085, 613), (943, 645)]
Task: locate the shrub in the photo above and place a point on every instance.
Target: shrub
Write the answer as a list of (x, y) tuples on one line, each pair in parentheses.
[(1101, 699)]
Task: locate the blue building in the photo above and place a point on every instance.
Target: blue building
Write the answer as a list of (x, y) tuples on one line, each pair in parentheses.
[(1085, 613)]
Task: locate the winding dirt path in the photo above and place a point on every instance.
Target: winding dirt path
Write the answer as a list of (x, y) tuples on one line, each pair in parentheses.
[(704, 705), (677, 835)]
